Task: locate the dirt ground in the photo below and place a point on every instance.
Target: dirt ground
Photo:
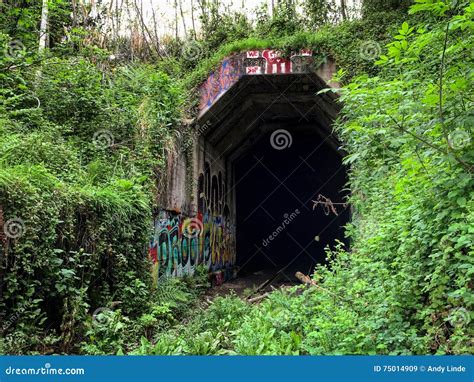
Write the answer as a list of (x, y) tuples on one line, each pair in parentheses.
[(246, 285)]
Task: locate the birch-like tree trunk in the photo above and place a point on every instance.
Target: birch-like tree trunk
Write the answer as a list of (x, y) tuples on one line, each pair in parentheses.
[(43, 38), (183, 19), (192, 19)]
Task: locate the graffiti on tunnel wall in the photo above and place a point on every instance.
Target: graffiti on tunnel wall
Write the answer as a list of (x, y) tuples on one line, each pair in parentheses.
[(180, 243), (267, 61)]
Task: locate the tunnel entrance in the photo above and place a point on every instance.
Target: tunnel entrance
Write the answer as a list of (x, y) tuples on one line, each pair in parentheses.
[(265, 150), (276, 181)]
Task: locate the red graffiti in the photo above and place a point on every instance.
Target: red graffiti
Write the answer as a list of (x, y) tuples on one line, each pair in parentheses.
[(153, 253), (253, 70), (274, 63)]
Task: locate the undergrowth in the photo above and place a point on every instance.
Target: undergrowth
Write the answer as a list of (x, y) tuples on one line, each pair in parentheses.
[(84, 142)]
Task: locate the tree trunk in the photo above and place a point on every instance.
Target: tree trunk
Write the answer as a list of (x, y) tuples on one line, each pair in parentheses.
[(192, 19), (343, 10), (182, 18), (43, 40), (176, 19)]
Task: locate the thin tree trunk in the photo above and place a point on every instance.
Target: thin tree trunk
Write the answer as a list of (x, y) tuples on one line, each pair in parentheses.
[(176, 18), (204, 14), (43, 40), (192, 18), (74, 13), (143, 25), (110, 18), (155, 31), (343, 10), (118, 14), (127, 7), (182, 18)]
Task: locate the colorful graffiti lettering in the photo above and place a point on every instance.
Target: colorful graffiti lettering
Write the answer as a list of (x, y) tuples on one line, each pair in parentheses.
[(176, 253)]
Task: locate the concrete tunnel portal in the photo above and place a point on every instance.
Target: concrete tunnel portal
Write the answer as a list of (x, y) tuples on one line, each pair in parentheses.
[(267, 180)]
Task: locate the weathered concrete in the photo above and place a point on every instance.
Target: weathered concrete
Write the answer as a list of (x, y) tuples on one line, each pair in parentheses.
[(249, 95)]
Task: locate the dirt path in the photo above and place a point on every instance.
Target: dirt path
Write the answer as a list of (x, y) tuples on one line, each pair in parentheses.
[(247, 285)]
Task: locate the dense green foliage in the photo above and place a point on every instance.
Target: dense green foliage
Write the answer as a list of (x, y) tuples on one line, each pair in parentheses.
[(84, 139), (79, 150)]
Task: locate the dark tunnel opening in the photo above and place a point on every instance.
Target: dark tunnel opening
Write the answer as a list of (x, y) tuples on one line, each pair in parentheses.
[(276, 226)]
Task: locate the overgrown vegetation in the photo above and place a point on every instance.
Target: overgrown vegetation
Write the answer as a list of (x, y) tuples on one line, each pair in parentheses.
[(81, 145), (84, 138)]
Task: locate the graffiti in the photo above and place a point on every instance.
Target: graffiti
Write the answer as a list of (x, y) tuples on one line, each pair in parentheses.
[(274, 63), (253, 62), (219, 81), (174, 252)]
